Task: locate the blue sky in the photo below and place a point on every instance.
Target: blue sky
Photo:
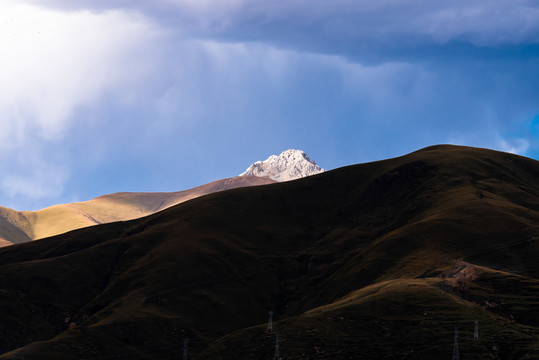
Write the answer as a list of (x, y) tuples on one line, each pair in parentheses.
[(104, 96)]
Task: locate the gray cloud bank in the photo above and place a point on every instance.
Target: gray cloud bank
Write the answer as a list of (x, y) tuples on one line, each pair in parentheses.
[(342, 26)]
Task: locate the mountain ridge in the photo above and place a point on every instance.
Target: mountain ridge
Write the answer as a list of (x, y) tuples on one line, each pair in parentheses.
[(377, 260), (24, 226)]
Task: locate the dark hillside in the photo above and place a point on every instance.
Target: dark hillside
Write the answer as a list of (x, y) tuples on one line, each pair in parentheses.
[(378, 260)]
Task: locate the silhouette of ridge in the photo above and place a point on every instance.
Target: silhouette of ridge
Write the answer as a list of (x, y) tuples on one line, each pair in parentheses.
[(372, 261)]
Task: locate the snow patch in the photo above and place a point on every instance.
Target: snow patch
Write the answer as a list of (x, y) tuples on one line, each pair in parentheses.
[(290, 165)]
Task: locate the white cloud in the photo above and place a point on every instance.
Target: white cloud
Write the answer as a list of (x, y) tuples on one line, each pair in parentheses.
[(53, 62), (32, 174), (40, 181), (515, 146), (491, 139), (56, 66)]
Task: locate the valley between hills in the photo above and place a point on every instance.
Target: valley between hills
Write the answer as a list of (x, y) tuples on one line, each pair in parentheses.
[(382, 260)]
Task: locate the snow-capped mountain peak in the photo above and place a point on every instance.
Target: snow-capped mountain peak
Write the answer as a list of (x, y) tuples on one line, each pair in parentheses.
[(290, 165)]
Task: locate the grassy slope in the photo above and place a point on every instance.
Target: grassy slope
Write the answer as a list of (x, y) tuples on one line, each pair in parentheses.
[(380, 258), (14, 227), (22, 226)]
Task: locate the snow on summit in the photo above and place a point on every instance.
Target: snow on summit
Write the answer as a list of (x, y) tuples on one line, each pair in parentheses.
[(290, 165)]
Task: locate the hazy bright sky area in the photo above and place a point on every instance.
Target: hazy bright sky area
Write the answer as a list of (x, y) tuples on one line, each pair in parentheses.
[(101, 96)]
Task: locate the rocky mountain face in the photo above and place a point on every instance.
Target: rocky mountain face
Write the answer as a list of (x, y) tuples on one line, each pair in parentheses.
[(289, 165)]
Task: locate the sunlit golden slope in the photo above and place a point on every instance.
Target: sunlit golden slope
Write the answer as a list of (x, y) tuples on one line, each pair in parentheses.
[(22, 226), (14, 227)]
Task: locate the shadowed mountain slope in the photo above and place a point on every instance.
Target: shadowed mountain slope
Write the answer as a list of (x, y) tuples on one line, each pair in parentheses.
[(378, 260), (22, 226)]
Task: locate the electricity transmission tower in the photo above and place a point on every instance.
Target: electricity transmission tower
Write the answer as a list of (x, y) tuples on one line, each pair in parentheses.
[(185, 348), (456, 355), (270, 322), (277, 355), (476, 332)]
